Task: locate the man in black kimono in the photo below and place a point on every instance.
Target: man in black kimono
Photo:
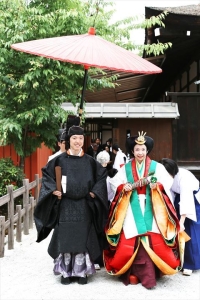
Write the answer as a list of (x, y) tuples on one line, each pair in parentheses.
[(79, 217)]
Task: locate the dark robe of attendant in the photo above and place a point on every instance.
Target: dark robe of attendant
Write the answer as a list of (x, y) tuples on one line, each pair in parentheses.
[(90, 151), (78, 220)]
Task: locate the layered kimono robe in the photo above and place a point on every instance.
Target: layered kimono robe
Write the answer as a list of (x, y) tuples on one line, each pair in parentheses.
[(142, 227), (187, 201), (79, 220)]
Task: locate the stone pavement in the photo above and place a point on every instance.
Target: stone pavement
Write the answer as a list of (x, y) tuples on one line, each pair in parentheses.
[(26, 274)]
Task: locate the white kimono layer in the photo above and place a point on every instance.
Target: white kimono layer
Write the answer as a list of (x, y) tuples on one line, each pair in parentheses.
[(184, 184), (120, 159)]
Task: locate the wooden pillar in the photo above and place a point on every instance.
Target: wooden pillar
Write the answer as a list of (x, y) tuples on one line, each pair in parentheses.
[(25, 206), (19, 223), (2, 235), (10, 218)]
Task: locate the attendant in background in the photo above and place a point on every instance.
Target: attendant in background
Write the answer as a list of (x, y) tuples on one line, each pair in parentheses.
[(99, 146), (110, 163), (120, 157), (92, 149), (187, 203), (109, 144), (61, 144), (104, 159)]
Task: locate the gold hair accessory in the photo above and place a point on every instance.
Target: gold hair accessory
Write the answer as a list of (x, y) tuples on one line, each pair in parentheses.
[(141, 138)]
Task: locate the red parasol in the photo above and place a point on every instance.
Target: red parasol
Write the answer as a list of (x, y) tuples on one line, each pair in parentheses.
[(89, 50)]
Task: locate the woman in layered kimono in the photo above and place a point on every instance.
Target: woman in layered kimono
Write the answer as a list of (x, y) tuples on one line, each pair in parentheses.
[(73, 201), (187, 203), (143, 226)]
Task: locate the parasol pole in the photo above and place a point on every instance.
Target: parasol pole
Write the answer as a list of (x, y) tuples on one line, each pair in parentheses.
[(83, 90), (91, 31)]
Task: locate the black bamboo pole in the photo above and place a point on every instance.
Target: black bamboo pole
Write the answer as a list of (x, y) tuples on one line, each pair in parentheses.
[(83, 91)]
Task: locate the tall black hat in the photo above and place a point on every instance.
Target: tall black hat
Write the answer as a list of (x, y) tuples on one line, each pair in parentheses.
[(72, 120), (140, 139)]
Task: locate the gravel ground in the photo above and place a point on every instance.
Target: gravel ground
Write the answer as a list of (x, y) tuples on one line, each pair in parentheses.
[(26, 274)]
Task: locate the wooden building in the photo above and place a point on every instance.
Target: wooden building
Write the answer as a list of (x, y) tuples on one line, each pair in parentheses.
[(33, 163), (166, 105), (179, 81)]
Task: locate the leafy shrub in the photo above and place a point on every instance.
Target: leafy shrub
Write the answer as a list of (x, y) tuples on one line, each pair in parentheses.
[(9, 174)]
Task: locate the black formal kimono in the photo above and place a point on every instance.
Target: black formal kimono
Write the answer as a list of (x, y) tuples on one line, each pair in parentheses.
[(78, 220)]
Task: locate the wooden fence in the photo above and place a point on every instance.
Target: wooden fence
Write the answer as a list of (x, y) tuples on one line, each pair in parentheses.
[(19, 217)]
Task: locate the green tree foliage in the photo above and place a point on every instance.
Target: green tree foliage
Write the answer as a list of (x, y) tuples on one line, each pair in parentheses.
[(33, 88), (158, 48), (9, 174)]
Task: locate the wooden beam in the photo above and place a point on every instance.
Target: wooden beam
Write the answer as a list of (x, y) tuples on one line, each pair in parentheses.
[(180, 94)]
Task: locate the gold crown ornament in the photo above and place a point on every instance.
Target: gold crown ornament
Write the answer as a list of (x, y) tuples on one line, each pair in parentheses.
[(141, 138)]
